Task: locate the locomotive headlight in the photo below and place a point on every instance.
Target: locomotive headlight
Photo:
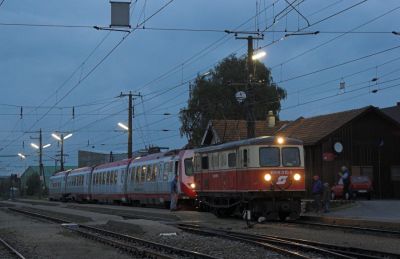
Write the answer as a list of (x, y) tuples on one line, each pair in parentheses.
[(280, 140), (267, 177), (297, 177), (192, 185)]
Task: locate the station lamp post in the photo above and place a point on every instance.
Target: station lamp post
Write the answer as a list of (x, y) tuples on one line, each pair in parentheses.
[(61, 139), (40, 148)]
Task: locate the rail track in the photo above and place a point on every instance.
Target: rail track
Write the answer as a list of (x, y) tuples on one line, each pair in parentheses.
[(323, 249), (364, 230), (13, 252), (132, 245)]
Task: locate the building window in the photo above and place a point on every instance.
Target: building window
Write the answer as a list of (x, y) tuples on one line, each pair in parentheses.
[(395, 173)]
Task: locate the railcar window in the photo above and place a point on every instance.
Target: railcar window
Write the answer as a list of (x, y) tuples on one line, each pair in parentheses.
[(165, 171), (232, 159), (222, 160), (204, 162), (269, 156), (138, 172), (155, 173), (245, 158), (143, 174), (188, 166), (148, 176), (290, 156), (176, 167), (214, 160)]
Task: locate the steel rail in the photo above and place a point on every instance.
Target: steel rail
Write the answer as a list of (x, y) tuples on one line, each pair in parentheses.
[(343, 250), (85, 230), (145, 253), (275, 248), (349, 227), (12, 249)]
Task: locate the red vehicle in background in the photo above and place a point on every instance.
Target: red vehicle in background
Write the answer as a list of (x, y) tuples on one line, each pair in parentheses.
[(359, 186)]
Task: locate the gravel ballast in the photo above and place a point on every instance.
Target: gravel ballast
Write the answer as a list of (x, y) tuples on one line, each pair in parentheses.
[(37, 239)]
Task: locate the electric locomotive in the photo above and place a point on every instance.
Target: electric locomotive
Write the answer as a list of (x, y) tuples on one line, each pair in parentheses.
[(263, 175)]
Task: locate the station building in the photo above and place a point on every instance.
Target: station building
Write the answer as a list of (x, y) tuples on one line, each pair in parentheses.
[(93, 158), (366, 140)]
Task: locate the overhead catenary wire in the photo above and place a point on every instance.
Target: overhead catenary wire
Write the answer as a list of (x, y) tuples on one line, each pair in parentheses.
[(333, 39), (96, 66)]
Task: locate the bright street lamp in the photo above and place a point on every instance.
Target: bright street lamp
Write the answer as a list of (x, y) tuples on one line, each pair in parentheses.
[(37, 147), (121, 125), (55, 136), (61, 139), (259, 55), (21, 156), (46, 146)]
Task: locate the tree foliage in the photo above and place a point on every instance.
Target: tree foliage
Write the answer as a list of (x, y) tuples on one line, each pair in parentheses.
[(213, 96)]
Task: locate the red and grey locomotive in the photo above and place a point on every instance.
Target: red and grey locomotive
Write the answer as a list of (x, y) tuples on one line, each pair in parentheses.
[(263, 175)]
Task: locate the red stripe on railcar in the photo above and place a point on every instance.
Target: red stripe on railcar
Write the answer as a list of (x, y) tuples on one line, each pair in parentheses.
[(251, 179)]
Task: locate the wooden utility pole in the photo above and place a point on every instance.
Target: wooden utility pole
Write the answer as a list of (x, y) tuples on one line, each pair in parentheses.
[(131, 114), (41, 168), (250, 100)]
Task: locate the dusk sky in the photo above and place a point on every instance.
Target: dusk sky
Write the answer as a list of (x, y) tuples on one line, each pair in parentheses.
[(47, 70)]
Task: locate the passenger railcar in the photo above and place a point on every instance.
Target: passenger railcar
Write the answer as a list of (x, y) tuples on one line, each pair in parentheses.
[(57, 184), (263, 175), (78, 183), (142, 180), (149, 178), (109, 182)]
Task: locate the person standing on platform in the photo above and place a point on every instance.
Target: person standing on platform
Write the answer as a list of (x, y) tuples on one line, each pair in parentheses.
[(326, 197), (316, 193), (345, 177), (174, 193)]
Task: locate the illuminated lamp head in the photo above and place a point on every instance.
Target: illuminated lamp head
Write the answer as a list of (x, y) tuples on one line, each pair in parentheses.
[(267, 177)]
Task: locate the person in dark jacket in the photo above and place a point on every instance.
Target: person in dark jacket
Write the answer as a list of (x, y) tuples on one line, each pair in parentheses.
[(316, 192), (326, 197), (174, 193)]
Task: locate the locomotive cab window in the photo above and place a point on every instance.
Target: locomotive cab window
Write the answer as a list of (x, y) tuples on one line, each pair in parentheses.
[(188, 166), (269, 156), (290, 156), (204, 162)]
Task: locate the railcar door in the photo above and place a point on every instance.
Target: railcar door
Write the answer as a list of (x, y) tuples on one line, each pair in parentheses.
[(162, 182), (243, 178)]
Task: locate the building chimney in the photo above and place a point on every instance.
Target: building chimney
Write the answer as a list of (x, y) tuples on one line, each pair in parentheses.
[(271, 119)]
